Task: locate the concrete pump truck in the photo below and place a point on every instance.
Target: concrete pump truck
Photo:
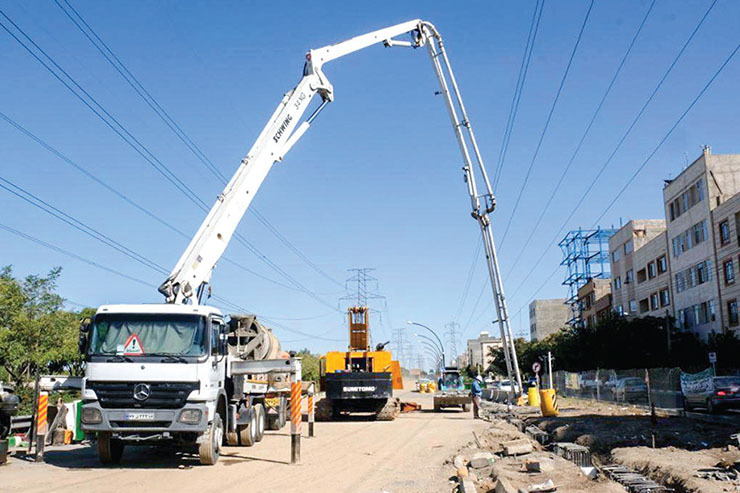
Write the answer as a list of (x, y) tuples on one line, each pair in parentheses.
[(183, 372)]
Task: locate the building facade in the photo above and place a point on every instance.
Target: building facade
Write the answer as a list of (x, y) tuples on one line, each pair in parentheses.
[(547, 317), (480, 350), (726, 232), (640, 271), (690, 200), (595, 301)]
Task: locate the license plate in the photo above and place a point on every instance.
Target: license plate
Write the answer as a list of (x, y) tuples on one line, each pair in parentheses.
[(139, 417)]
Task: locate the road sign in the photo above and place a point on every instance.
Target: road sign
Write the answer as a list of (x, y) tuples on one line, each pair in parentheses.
[(536, 367), (713, 358)]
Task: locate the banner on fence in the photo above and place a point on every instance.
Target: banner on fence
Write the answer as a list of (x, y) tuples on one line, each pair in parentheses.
[(696, 383)]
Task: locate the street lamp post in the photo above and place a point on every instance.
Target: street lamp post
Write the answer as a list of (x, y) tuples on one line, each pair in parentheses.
[(441, 346), (433, 350)]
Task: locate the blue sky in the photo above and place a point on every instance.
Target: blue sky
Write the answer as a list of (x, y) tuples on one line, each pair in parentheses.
[(376, 181)]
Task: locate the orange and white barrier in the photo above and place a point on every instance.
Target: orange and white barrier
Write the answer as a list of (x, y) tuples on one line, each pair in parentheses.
[(296, 415)]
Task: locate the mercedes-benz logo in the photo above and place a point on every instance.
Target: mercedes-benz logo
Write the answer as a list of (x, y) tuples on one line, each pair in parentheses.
[(142, 391)]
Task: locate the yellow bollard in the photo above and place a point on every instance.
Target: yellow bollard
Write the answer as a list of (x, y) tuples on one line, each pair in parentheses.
[(432, 387), (533, 396), (548, 402)]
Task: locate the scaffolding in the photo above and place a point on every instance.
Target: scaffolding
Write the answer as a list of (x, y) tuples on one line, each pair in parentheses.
[(585, 257)]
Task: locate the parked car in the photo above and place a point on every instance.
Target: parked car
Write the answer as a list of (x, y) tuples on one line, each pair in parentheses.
[(629, 389), (506, 386), (719, 393)]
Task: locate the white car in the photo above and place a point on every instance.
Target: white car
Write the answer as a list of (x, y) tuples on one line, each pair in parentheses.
[(506, 386)]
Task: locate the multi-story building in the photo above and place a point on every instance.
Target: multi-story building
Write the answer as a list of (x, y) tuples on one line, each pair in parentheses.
[(690, 200), (547, 317), (480, 350), (726, 229), (640, 272), (594, 301)]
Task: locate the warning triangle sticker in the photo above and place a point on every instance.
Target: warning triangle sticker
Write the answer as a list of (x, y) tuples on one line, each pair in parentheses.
[(133, 346)]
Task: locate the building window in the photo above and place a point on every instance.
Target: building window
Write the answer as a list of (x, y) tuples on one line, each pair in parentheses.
[(629, 276), (641, 276), (644, 306), (651, 270), (665, 298), (724, 232), (618, 282), (654, 304), (615, 255), (633, 306), (689, 238), (619, 310), (662, 264), (729, 271), (628, 247), (687, 200), (732, 316)]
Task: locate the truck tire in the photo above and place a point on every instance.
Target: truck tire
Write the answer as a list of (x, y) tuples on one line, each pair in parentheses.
[(389, 411), (210, 449), (259, 412), (323, 411), (247, 433), (110, 450), (466, 408)]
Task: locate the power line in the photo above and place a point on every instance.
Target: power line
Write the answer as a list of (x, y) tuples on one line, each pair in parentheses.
[(71, 254), (668, 134), (618, 146), (547, 122), (156, 163), (516, 97), (152, 102), (77, 224), (583, 137), (123, 197), (118, 128), (468, 280)]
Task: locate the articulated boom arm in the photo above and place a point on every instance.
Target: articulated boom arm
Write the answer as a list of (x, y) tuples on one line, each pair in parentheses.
[(193, 271)]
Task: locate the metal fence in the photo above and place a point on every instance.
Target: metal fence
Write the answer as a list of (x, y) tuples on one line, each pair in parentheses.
[(661, 386)]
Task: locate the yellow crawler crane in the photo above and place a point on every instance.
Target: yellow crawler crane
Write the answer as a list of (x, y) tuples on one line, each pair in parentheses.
[(359, 380)]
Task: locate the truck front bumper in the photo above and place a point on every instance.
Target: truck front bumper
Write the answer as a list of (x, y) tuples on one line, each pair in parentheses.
[(144, 421), (452, 399)]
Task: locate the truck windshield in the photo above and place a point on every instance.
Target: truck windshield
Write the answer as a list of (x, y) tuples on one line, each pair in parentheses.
[(137, 334)]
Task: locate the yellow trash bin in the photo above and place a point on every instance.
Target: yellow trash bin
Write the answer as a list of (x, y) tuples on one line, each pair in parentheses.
[(432, 387), (533, 396), (548, 402)]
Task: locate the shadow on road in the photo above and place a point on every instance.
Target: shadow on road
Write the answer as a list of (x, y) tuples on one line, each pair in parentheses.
[(140, 457)]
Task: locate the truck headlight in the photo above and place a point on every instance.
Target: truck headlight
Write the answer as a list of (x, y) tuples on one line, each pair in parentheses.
[(190, 416), (91, 416)]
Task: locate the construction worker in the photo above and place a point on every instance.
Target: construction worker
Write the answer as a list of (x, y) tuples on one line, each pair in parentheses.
[(477, 391)]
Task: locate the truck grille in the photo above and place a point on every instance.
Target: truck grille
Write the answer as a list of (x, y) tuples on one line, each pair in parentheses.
[(164, 395)]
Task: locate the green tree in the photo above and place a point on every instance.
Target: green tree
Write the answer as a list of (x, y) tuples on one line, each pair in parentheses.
[(309, 365), (35, 333)]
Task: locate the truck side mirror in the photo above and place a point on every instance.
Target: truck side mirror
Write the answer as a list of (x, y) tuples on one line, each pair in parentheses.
[(84, 339)]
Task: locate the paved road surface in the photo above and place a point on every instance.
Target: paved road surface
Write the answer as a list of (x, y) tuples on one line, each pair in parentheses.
[(401, 456)]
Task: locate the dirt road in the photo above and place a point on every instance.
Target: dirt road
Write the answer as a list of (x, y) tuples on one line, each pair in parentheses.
[(405, 455)]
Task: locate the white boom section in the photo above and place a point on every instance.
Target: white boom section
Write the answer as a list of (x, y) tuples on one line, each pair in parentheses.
[(193, 270)]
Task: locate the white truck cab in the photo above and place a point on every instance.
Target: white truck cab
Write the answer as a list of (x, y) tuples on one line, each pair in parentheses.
[(154, 372)]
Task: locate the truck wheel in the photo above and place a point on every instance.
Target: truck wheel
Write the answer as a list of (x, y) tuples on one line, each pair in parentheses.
[(466, 408), (389, 411), (247, 433), (259, 412), (323, 411), (110, 450), (210, 449)]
